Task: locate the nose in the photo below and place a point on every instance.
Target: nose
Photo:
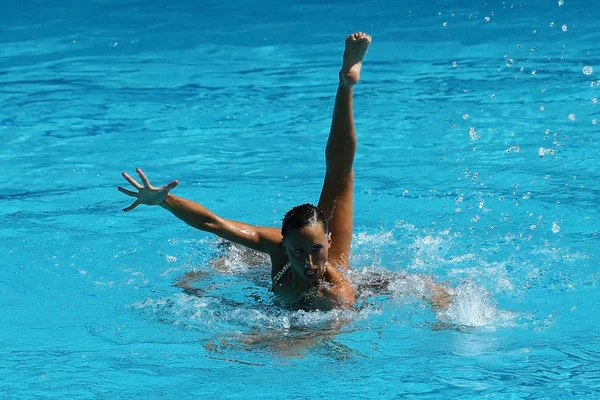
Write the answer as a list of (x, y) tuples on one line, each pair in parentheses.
[(308, 260)]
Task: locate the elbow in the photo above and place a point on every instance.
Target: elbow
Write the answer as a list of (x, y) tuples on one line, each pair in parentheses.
[(212, 224)]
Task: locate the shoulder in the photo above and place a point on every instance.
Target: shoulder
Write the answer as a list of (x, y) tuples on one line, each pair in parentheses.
[(271, 239), (342, 294), (346, 294)]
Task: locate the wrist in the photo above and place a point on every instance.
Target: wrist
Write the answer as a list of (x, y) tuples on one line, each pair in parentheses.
[(166, 201)]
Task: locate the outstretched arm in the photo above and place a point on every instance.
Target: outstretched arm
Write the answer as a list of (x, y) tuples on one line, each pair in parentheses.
[(257, 238), (262, 239)]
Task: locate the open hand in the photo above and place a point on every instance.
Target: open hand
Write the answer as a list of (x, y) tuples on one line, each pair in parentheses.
[(146, 194)]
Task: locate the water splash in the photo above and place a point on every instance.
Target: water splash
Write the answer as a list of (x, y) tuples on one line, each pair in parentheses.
[(472, 306), (473, 133)]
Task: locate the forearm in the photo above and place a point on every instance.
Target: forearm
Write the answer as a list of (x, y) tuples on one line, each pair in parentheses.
[(191, 213), (262, 239)]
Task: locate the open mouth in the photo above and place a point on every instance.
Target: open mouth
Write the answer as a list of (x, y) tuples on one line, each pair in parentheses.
[(310, 272)]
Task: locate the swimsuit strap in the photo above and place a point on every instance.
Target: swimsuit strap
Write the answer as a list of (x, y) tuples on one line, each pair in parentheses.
[(279, 275), (284, 270)]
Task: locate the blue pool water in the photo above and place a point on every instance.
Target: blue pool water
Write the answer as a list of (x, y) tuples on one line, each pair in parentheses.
[(477, 165)]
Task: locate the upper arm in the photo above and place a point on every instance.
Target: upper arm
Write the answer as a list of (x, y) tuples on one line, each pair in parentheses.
[(263, 239)]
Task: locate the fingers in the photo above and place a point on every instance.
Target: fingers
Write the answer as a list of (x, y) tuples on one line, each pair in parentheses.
[(127, 192), (132, 206), (171, 185), (143, 177), (132, 181)]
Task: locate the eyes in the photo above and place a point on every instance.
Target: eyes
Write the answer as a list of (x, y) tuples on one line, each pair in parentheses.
[(315, 249)]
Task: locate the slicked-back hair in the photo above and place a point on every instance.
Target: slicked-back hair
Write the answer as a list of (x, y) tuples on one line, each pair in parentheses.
[(302, 216)]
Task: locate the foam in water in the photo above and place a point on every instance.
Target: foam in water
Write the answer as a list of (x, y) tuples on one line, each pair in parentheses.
[(231, 292), (472, 306)]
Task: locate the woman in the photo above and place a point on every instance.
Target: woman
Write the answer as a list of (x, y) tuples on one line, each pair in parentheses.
[(312, 249)]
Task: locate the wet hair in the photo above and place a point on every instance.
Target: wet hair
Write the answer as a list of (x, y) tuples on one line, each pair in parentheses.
[(302, 216)]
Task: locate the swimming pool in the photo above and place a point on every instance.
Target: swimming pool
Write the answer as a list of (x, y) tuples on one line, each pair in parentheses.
[(477, 165)]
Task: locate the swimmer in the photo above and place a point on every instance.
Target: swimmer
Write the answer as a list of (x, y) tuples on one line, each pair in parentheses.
[(311, 251)]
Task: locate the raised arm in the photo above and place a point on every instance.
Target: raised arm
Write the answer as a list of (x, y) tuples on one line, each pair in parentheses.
[(263, 239)]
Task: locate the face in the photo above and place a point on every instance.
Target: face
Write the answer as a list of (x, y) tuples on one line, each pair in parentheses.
[(307, 249)]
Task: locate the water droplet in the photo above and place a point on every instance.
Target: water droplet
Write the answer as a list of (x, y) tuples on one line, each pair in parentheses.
[(510, 62), (551, 24), (564, 28), (555, 227), (493, 96), (595, 121), (454, 64), (542, 152), (487, 19), (572, 117), (115, 44), (445, 24), (473, 133), (542, 108), (587, 70), (465, 116), (594, 100), (561, 2)]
